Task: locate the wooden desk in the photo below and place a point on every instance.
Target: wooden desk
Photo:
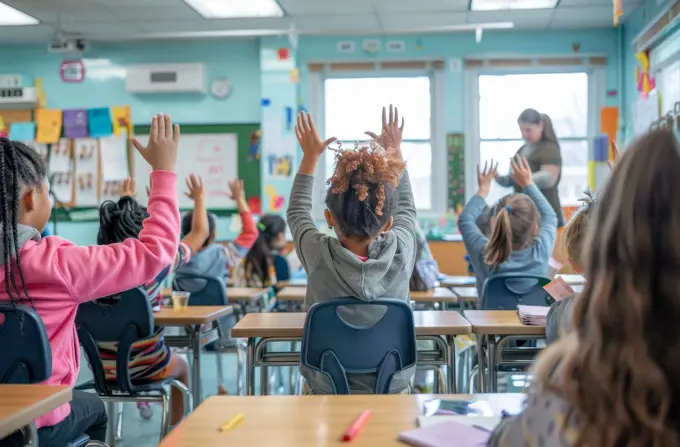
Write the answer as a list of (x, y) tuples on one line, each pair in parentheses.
[(20, 405), (192, 319), (245, 293), (288, 326), (292, 283), (291, 293), (437, 295), (458, 281), (491, 327), (573, 280), (308, 421)]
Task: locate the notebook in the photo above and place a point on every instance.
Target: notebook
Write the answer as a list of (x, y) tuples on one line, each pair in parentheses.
[(533, 315), (559, 289), (486, 422), (442, 435)]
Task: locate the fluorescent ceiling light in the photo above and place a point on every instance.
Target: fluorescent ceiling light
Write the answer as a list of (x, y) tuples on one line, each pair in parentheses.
[(232, 9), (499, 5), (10, 16)]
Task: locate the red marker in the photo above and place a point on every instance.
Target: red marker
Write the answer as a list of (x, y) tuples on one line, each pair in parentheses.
[(354, 429)]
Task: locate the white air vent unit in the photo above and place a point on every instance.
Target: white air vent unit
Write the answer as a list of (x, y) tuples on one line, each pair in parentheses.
[(166, 78), (18, 98)]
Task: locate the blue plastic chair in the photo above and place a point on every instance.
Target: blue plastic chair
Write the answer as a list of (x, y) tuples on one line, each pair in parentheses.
[(336, 347), (282, 268), (211, 291), (505, 291), (124, 320), (26, 354)]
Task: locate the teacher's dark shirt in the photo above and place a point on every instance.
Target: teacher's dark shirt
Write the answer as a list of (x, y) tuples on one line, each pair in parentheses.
[(545, 153)]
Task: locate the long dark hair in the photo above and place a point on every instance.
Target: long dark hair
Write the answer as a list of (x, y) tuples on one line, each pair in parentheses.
[(20, 165), (120, 220), (259, 260), (532, 116)]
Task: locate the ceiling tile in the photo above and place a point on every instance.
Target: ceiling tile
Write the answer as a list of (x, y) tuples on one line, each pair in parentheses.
[(156, 14), (517, 17), (325, 7), (339, 24), (407, 22)]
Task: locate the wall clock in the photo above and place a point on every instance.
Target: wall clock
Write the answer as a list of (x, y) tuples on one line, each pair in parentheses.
[(221, 88)]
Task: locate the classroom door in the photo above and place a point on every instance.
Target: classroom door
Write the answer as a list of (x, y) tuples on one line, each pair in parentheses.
[(563, 96)]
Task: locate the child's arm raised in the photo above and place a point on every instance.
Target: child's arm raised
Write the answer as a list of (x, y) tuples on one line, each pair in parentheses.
[(238, 248), (200, 229), (302, 226), (547, 230), (473, 238), (101, 270)]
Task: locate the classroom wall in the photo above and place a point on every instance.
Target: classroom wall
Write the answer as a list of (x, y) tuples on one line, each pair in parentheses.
[(238, 60)]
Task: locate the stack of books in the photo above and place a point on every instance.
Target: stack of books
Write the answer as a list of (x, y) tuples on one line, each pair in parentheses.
[(533, 315)]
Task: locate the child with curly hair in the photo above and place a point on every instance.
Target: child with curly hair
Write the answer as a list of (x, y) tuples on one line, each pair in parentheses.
[(370, 206)]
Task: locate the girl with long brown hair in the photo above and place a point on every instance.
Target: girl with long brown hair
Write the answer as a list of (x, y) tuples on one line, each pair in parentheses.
[(613, 380)]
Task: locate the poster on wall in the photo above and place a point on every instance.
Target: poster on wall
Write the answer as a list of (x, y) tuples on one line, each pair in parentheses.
[(395, 46), (86, 151), (346, 46), (455, 146)]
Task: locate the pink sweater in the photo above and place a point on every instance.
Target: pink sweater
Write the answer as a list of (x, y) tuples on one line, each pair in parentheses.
[(59, 276)]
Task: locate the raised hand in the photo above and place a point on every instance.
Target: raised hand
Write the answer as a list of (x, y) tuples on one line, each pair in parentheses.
[(129, 188), (161, 152), (195, 190), (521, 171), (392, 131), (616, 156), (485, 176), (237, 190), (308, 137)]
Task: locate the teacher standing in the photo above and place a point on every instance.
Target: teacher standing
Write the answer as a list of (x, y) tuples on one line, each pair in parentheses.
[(542, 151)]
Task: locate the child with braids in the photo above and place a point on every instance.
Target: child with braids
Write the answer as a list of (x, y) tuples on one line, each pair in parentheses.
[(151, 359), (523, 228), (370, 206), (54, 276)]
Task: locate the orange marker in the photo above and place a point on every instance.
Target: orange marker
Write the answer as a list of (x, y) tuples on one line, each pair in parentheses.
[(354, 429)]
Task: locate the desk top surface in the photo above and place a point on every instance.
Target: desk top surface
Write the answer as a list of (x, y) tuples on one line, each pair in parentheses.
[(500, 322), (22, 404), (191, 315), (306, 421), (297, 293), (290, 324)]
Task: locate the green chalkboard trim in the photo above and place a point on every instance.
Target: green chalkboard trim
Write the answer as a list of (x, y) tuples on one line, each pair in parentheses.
[(248, 170)]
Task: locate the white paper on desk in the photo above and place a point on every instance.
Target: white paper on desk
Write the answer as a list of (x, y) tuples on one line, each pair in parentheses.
[(485, 422), (559, 289)]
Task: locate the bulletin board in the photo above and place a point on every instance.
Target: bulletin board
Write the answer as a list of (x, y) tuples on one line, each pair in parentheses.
[(247, 166)]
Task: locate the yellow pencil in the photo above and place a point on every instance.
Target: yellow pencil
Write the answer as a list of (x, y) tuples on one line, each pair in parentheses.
[(232, 423)]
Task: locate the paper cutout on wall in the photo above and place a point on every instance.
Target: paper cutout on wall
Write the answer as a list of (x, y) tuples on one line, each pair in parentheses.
[(281, 166), (276, 201), (48, 123), (22, 131), (99, 121), (646, 82), (122, 120), (254, 146), (87, 169), (3, 129), (75, 123)]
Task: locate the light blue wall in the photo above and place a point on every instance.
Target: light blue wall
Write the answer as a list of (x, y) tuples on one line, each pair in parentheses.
[(238, 60)]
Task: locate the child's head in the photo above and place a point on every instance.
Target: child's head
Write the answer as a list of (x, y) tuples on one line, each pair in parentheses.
[(120, 220), (25, 190), (536, 126), (187, 220), (623, 353), (575, 232), (360, 198), (271, 237), (512, 228)]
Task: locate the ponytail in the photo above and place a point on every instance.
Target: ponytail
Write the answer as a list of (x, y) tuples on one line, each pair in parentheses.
[(499, 247), (548, 133)]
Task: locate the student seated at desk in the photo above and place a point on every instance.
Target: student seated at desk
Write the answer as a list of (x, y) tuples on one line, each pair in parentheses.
[(151, 359), (216, 260), (613, 379), (523, 229), (257, 268), (374, 252), (54, 276)]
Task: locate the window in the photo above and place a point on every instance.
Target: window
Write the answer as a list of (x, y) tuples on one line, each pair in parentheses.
[(352, 107), (563, 96)]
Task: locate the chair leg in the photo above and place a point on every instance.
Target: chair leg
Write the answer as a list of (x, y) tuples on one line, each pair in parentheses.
[(299, 385), (187, 397), (220, 369), (111, 428), (119, 421), (442, 379), (165, 413), (239, 369), (474, 373)]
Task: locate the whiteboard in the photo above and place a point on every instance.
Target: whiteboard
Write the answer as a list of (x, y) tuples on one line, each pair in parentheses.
[(212, 156)]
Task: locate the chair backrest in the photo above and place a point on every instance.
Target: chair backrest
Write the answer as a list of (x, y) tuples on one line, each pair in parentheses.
[(205, 290), (124, 319), (282, 268), (25, 353), (335, 347), (505, 291)]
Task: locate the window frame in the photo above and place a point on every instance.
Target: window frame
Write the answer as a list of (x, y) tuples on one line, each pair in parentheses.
[(439, 167), (596, 95)]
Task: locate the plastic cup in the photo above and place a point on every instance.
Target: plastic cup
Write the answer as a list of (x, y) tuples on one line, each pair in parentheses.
[(180, 300)]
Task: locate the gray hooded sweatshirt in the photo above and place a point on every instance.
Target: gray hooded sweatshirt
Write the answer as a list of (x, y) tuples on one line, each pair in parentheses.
[(335, 272)]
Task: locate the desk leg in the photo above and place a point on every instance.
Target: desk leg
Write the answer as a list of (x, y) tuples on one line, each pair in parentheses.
[(493, 379), (480, 364), (31, 439), (250, 367), (264, 376), (195, 337), (451, 341)]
